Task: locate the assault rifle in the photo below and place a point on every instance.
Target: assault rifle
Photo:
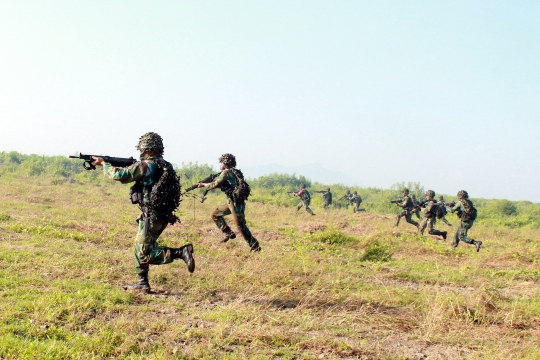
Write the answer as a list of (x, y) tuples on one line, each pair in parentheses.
[(395, 201), (319, 191), (206, 180), (344, 197), (425, 203), (114, 161), (291, 192)]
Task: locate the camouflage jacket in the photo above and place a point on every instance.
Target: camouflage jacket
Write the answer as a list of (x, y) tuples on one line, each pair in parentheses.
[(406, 203), (304, 195), (327, 196), (429, 208), (225, 181), (144, 170), (355, 199)]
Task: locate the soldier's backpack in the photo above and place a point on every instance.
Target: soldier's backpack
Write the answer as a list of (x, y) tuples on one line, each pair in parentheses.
[(469, 211), (164, 197), (242, 190)]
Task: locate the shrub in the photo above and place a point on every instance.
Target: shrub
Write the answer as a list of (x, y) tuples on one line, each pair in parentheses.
[(376, 251)]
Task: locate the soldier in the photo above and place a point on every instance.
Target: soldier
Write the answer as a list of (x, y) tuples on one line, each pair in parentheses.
[(327, 198), (441, 211), (227, 181), (407, 205), (416, 210), (356, 200), (467, 214), (157, 192), (429, 208), (347, 197), (305, 199)]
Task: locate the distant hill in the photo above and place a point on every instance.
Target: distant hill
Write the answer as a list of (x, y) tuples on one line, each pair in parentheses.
[(314, 172)]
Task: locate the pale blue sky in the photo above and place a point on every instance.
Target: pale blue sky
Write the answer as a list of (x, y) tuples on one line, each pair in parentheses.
[(445, 93)]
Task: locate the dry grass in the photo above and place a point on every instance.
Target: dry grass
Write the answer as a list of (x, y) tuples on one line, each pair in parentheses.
[(66, 253)]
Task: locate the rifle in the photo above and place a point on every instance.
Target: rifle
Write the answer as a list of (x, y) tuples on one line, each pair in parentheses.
[(291, 192), (395, 201), (344, 197), (206, 180), (319, 191), (114, 161)]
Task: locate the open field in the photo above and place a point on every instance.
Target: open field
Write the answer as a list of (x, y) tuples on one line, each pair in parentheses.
[(333, 286)]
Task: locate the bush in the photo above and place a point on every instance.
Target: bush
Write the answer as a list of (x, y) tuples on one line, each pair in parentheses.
[(331, 237), (376, 251)]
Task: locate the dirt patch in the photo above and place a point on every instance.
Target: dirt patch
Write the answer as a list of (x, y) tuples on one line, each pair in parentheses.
[(311, 227)]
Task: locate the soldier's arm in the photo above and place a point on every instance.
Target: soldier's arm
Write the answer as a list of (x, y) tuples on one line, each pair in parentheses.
[(125, 174), (218, 180), (455, 207)]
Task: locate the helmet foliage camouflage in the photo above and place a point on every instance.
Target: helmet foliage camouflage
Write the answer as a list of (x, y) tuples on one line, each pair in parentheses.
[(405, 191), (462, 194), (348, 191), (440, 197), (150, 141), (430, 193), (355, 193), (327, 189), (228, 159)]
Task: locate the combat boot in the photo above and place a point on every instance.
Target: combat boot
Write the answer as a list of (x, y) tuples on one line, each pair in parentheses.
[(255, 247), (185, 253), (443, 234), (141, 284), (227, 236), (478, 244)]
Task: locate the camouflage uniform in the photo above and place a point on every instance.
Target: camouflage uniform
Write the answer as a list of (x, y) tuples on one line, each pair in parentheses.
[(429, 208), (147, 250), (347, 197), (407, 205), (356, 200), (226, 179), (466, 223), (327, 198), (441, 211), (305, 199)]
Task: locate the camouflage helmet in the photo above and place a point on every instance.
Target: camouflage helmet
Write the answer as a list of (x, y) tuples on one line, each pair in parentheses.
[(440, 197), (405, 191), (413, 196), (150, 141), (430, 193), (462, 194), (355, 193), (302, 186), (348, 191), (228, 159), (327, 189)]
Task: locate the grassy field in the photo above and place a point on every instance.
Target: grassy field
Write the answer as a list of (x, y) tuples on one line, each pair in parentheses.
[(336, 285)]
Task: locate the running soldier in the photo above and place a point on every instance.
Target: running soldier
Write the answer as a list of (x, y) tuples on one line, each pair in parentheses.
[(305, 199), (429, 208), (157, 192), (441, 211), (407, 205), (467, 214), (229, 181), (347, 197), (327, 198), (356, 200)]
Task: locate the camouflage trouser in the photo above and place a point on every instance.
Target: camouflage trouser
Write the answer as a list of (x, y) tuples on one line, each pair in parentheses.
[(147, 250), (224, 210), (408, 217), (461, 233), (443, 219), (417, 212), (306, 204), (356, 207), (326, 204), (429, 223)]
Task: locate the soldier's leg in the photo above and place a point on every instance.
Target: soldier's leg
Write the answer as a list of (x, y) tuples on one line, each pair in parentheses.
[(398, 217), (431, 228), (465, 228), (246, 233), (408, 218), (443, 219), (218, 216), (299, 206), (306, 204), (422, 226)]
